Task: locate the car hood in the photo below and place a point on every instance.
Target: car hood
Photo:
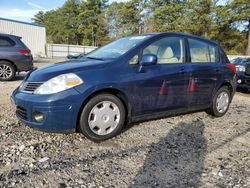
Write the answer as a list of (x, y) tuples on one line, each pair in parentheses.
[(76, 66)]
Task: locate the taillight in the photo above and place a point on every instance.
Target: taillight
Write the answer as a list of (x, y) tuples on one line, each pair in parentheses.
[(231, 67), (25, 52)]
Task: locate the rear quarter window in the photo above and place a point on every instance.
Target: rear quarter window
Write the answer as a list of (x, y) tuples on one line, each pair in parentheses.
[(224, 58), (5, 41), (202, 52)]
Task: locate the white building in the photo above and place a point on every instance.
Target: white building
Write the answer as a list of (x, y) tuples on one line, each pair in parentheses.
[(33, 35)]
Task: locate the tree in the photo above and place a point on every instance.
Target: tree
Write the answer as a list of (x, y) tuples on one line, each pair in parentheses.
[(95, 22), (239, 13), (61, 24), (39, 18), (222, 31), (168, 15), (229, 26), (124, 18), (92, 21), (199, 14), (69, 13)]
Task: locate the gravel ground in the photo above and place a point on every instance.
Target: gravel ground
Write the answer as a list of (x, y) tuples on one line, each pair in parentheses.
[(194, 150)]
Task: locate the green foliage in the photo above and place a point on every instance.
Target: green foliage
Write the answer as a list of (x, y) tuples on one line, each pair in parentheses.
[(239, 14), (168, 15), (95, 22), (124, 18)]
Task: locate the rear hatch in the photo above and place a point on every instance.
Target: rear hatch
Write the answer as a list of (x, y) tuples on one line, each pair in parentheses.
[(22, 48)]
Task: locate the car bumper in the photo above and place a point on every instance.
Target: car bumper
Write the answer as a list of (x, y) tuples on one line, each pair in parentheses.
[(243, 81), (24, 64), (60, 111)]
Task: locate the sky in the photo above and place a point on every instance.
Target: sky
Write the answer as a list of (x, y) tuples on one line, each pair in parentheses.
[(24, 10)]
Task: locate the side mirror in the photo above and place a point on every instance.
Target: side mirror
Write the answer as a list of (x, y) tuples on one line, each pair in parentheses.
[(148, 59)]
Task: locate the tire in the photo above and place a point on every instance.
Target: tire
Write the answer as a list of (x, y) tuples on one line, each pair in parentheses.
[(218, 109), (7, 71), (102, 118)]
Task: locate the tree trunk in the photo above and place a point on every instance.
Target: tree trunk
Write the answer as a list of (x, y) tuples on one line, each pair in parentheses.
[(248, 39)]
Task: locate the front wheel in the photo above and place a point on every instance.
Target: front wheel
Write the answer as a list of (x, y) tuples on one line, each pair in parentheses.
[(103, 117), (221, 101)]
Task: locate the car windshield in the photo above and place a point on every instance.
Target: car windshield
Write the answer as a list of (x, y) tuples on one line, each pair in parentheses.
[(117, 48)]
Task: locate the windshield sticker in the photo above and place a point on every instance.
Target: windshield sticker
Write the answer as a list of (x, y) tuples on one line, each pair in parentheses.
[(138, 38)]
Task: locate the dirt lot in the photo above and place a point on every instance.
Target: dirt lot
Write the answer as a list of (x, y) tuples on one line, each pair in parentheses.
[(194, 150)]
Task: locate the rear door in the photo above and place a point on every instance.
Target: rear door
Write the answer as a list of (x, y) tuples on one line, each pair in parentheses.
[(203, 58)]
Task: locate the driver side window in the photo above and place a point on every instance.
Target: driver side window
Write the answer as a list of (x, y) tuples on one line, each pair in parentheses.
[(168, 50)]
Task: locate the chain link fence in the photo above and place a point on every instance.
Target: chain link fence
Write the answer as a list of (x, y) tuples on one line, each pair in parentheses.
[(63, 50)]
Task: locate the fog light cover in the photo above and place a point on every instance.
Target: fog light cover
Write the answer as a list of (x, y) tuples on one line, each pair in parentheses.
[(38, 116), (239, 81)]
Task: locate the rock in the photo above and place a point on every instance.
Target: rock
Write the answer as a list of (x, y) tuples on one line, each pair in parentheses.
[(145, 154), (21, 148), (220, 174), (44, 159)]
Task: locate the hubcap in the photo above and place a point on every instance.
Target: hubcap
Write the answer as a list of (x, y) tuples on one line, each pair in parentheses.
[(104, 118), (222, 102), (5, 71)]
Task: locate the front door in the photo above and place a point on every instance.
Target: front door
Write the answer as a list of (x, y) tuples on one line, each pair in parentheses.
[(163, 86)]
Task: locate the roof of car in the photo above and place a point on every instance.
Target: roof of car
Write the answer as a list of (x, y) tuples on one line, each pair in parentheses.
[(179, 33)]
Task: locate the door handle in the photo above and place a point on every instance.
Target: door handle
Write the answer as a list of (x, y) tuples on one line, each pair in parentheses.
[(182, 71), (217, 70)]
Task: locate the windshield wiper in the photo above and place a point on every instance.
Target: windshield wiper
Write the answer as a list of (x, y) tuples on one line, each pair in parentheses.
[(97, 58)]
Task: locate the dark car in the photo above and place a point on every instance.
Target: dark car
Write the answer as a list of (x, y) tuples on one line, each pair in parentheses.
[(15, 56), (132, 79), (243, 72)]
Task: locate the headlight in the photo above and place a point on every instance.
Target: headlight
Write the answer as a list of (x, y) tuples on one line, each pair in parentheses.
[(240, 68), (22, 86), (59, 83)]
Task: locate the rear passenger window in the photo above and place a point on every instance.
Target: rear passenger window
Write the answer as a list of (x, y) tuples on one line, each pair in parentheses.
[(5, 41), (168, 50), (202, 52)]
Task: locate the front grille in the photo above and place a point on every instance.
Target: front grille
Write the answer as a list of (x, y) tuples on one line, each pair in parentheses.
[(31, 86), (248, 69), (22, 112)]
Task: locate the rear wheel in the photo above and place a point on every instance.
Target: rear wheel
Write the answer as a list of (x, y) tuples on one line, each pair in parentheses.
[(221, 101), (103, 117), (7, 71)]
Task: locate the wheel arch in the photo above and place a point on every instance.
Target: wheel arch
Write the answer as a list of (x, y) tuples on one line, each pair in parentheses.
[(9, 62), (116, 92), (229, 86)]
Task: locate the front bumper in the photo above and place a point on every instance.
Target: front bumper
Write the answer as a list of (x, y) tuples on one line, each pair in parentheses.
[(60, 110), (243, 81)]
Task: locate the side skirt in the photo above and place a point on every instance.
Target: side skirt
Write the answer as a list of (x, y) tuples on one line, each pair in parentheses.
[(168, 113)]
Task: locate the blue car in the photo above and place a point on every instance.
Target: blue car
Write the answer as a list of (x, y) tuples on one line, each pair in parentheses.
[(132, 79)]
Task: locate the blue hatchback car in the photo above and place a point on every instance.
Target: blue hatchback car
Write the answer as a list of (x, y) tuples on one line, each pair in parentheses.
[(132, 79)]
